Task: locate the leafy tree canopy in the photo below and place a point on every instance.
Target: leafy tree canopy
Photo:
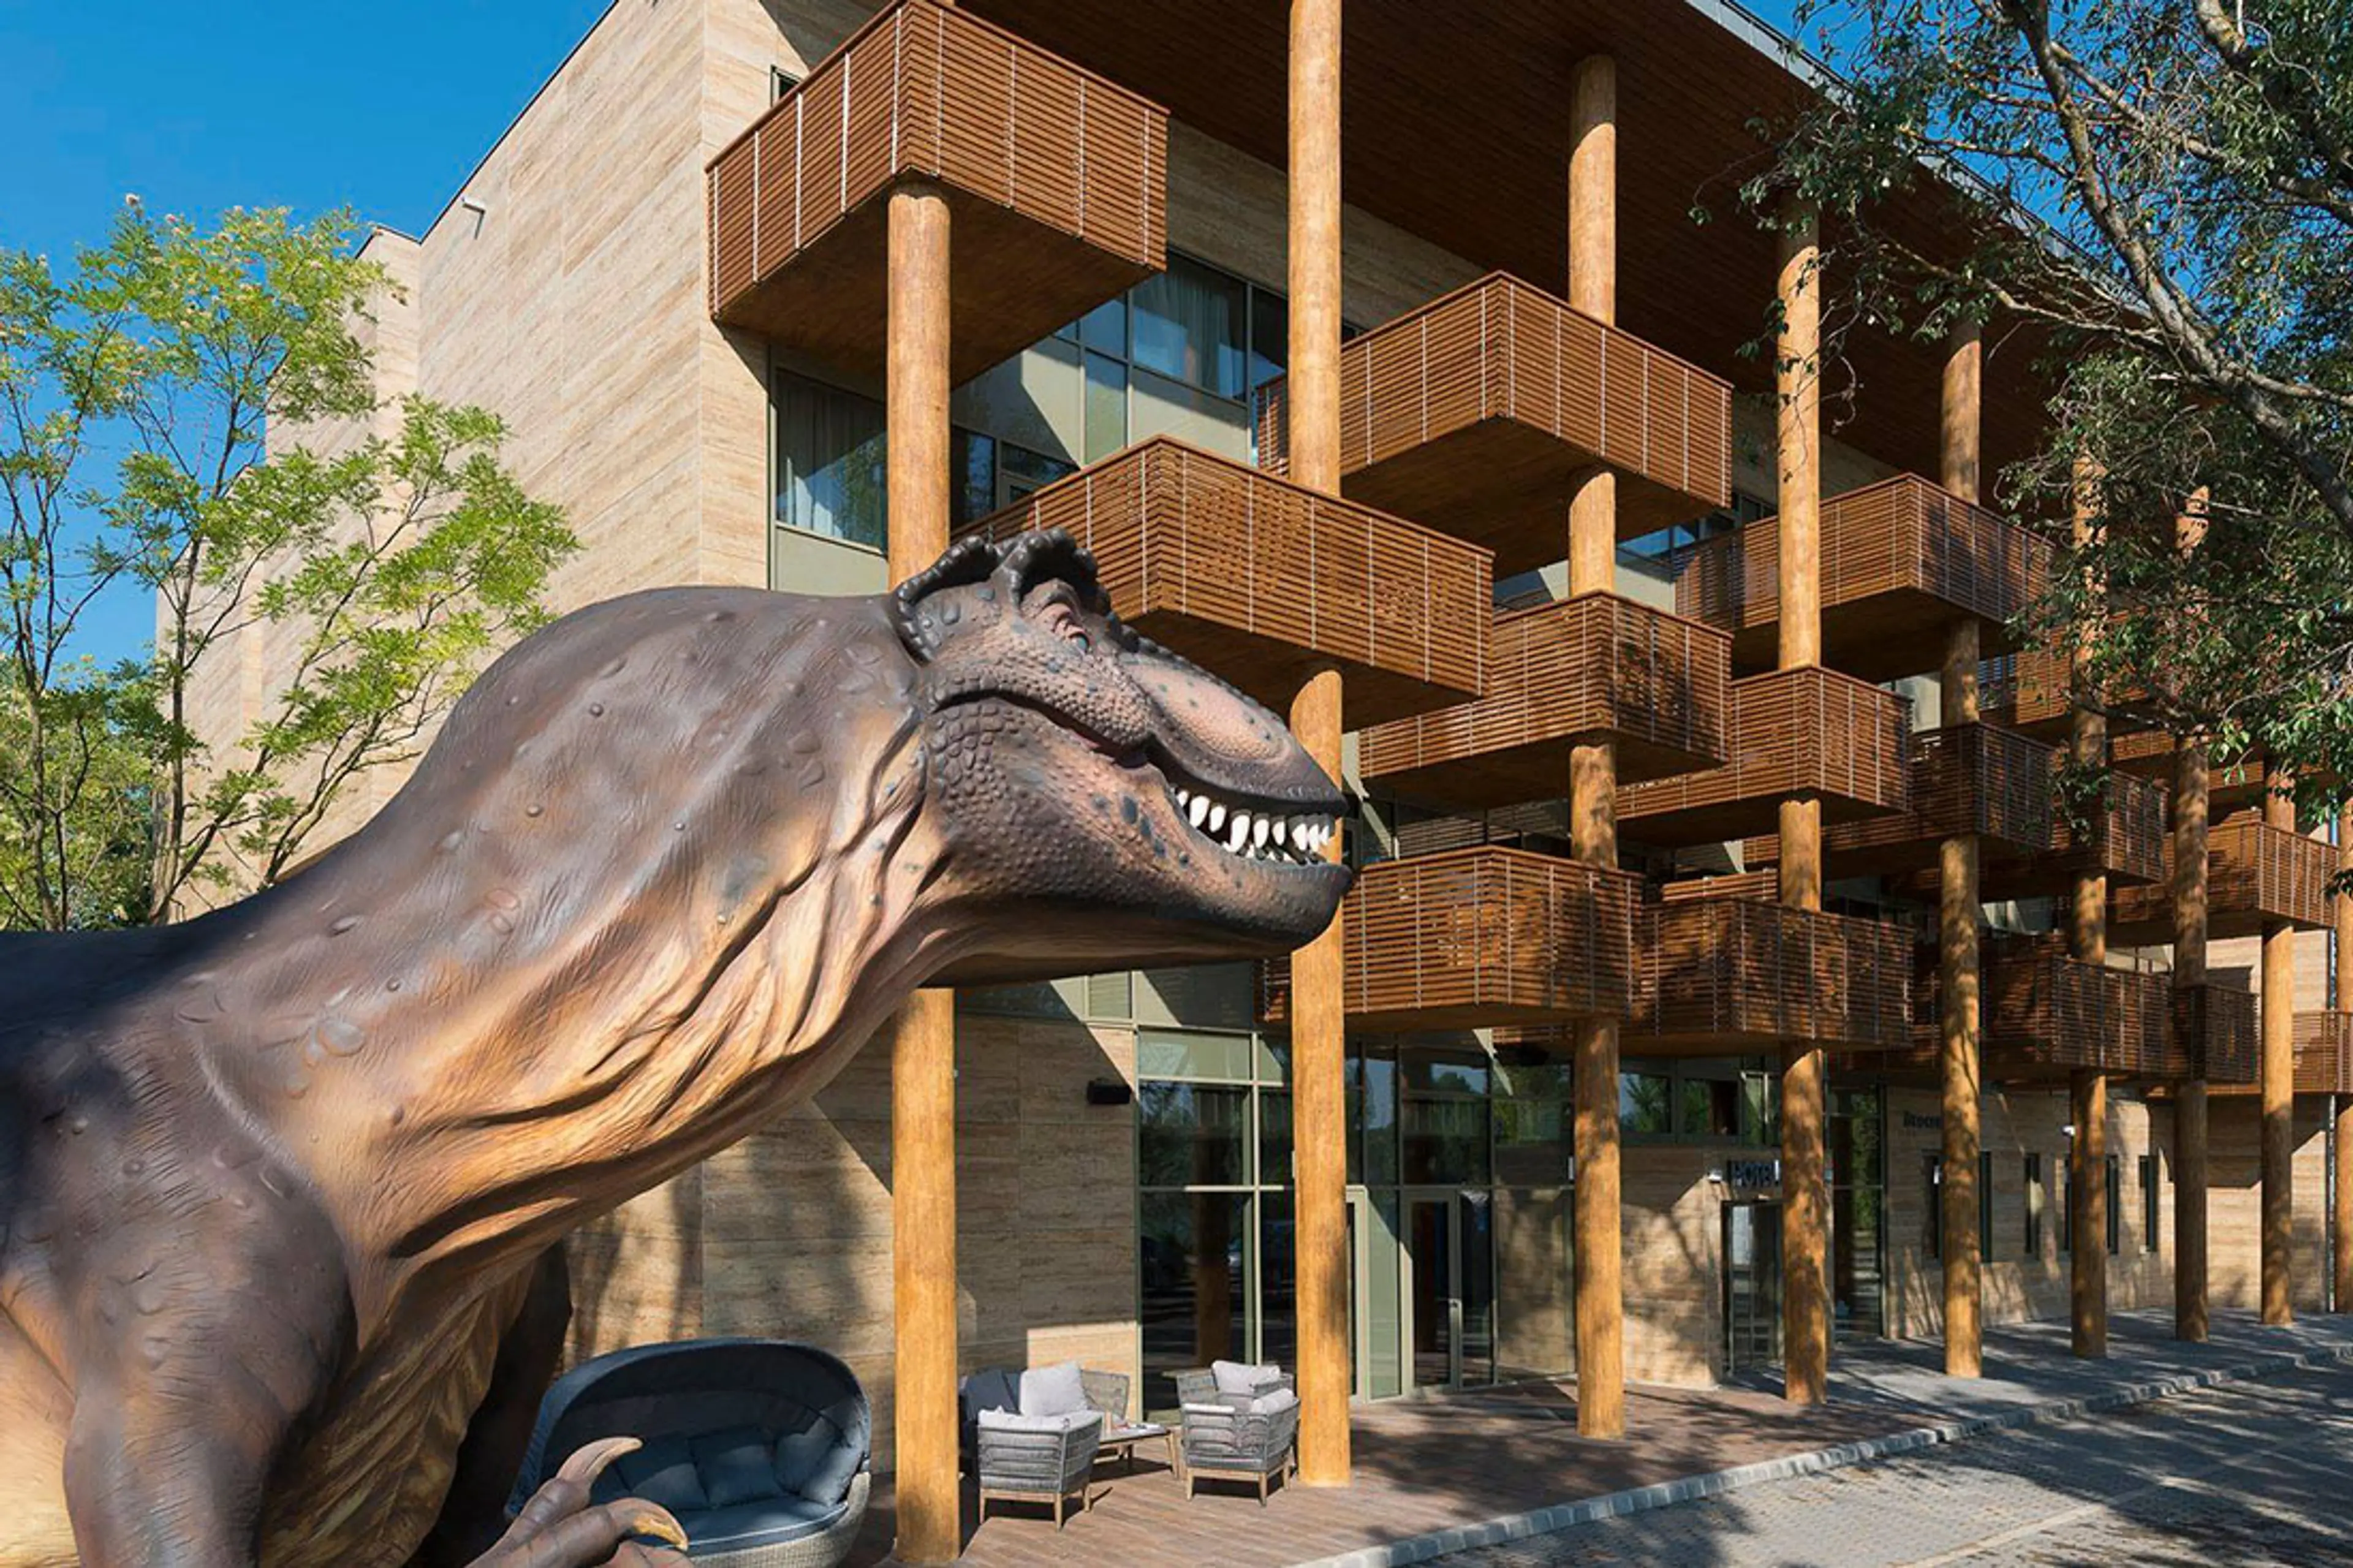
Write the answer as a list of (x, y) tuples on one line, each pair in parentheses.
[(2185, 291), (190, 412)]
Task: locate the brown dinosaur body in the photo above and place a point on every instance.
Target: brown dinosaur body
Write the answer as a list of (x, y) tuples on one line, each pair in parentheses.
[(273, 1183)]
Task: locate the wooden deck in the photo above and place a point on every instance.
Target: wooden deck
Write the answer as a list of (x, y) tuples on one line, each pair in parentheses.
[(1796, 731), (1477, 411), (1899, 560), (1476, 938), (1263, 581), (1734, 974), (1056, 178), (1594, 667)]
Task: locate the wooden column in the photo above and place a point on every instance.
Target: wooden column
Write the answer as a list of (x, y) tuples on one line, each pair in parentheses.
[(2190, 803), (1593, 784), (2278, 1082), (1805, 1215), (2087, 941), (1960, 910), (1319, 1030), (922, 1046), (2340, 1210)]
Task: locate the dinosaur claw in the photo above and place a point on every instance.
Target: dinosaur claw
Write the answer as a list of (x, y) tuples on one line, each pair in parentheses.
[(652, 1519), (588, 1461)]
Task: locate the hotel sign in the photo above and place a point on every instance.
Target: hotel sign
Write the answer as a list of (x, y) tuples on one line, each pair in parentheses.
[(1752, 1175)]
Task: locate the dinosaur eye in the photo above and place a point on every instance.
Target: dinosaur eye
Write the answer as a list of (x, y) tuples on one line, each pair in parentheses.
[(1062, 620)]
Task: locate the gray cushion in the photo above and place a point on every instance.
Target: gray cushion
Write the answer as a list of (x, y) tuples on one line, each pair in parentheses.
[(1059, 1421), (801, 1454), (663, 1472), (770, 1521), (828, 1481), (1053, 1390), (991, 1388), (738, 1464), (1281, 1399), (1241, 1377)]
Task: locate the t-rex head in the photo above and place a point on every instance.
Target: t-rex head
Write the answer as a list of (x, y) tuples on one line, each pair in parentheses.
[(1119, 804)]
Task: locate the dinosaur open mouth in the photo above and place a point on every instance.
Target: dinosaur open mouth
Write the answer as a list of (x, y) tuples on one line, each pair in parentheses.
[(1255, 831)]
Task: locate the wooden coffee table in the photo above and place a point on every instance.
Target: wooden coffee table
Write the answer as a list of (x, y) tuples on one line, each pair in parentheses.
[(1122, 1440)]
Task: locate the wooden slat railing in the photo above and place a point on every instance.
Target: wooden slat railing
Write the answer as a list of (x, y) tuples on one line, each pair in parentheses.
[(1598, 667), (1475, 411), (1481, 936), (2256, 872), (931, 90), (1805, 730), (1728, 972), (2324, 1052), (1261, 580), (2218, 1023), (1899, 536)]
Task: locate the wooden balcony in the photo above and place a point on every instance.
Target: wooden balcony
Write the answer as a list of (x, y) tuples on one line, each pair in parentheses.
[(2256, 874), (2215, 1034), (1730, 976), (1477, 411), (2324, 1052), (1590, 669), (1794, 732), (2002, 787), (2047, 1015), (1482, 937), (1056, 178), (1263, 582), (1900, 559)]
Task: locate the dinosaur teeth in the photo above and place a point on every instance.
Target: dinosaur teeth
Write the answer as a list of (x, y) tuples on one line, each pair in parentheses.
[(1218, 818), (1198, 810), (1239, 833)]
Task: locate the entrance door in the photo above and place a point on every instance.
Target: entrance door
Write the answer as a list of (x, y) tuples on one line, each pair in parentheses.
[(1752, 1285), (1451, 1290)]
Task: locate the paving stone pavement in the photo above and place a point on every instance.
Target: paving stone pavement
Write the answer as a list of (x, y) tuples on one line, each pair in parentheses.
[(2255, 1473)]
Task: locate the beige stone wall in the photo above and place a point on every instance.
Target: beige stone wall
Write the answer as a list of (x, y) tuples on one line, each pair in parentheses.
[(2234, 1202), (1672, 1218), (788, 1233), (2013, 1124)]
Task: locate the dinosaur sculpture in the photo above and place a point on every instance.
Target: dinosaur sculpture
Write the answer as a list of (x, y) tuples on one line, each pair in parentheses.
[(274, 1182)]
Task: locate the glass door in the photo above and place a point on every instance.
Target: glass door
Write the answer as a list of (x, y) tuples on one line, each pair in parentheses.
[(1752, 1286), (1449, 1287)]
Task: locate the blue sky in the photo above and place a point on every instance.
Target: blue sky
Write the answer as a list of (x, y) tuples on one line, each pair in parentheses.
[(383, 109)]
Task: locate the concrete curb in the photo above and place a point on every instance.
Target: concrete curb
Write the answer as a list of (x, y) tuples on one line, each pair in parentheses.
[(1690, 1489)]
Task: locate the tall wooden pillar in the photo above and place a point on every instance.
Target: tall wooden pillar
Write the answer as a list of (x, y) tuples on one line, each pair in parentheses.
[(2278, 1083), (1960, 910), (922, 1048), (1805, 1214), (2087, 941), (2191, 800), (1319, 1030), (1593, 784), (2340, 1215)]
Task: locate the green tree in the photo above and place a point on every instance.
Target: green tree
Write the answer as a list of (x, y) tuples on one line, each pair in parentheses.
[(154, 402), (2181, 281)]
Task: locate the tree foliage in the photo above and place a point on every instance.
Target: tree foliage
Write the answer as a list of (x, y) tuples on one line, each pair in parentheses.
[(2185, 168), (188, 413)]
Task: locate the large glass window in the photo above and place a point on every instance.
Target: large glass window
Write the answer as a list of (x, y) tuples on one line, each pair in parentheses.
[(1858, 1185), (830, 460), (1191, 323)]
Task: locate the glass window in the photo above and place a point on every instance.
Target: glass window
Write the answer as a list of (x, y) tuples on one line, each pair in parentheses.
[(830, 461), (1192, 1135), (1269, 336), (1709, 1108), (1274, 1137), (1646, 1103), (1534, 1124), (1985, 1206), (1190, 323), (1931, 1208), (1022, 473), (1105, 328), (2149, 1203), (1445, 1140), (1379, 1091), (1193, 1292), (2030, 1176), (1106, 406), (974, 459), (2066, 1205), (2115, 1177)]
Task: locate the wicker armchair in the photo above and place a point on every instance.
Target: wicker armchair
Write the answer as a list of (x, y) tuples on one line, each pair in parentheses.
[(1037, 1458), (1242, 1438)]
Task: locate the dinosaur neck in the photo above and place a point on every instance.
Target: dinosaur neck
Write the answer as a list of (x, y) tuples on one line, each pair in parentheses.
[(526, 1021)]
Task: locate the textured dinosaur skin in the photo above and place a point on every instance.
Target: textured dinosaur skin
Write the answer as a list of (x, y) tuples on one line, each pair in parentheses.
[(274, 1182)]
